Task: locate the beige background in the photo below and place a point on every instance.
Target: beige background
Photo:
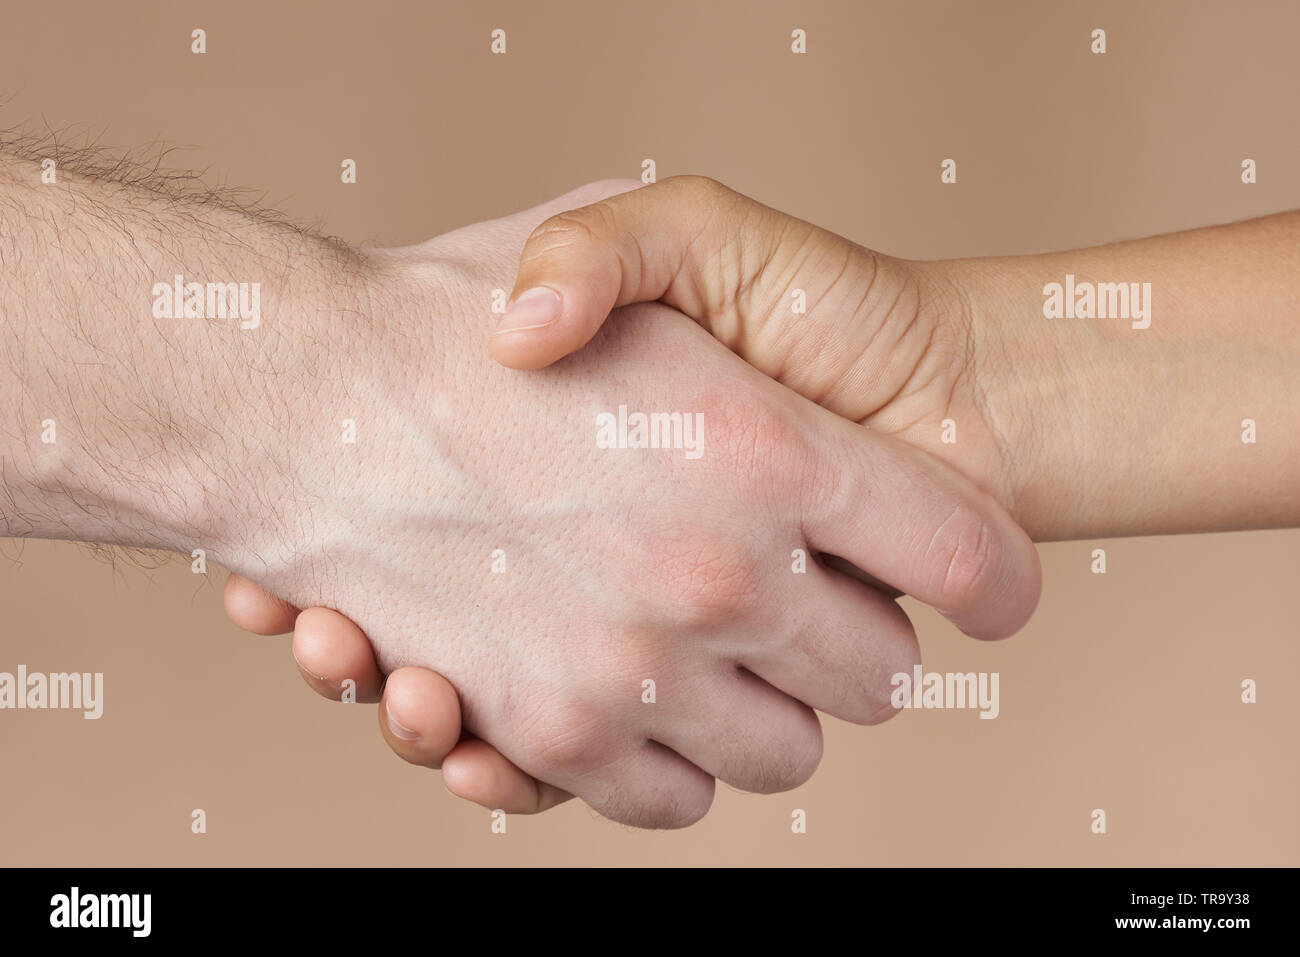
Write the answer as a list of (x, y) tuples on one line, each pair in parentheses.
[(1123, 692)]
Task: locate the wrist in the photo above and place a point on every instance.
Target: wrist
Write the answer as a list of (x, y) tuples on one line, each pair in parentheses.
[(303, 396), (359, 365), (1032, 380)]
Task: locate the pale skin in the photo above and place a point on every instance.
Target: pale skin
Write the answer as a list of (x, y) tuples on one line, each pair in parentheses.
[(358, 449), (1082, 428)]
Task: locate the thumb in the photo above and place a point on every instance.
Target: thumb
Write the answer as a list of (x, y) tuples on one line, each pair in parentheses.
[(665, 241)]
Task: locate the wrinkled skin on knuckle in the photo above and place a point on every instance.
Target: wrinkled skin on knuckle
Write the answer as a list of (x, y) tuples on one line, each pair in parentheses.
[(754, 443), (569, 734), (699, 580), (698, 191), (758, 459), (964, 555), (574, 228), (634, 655)]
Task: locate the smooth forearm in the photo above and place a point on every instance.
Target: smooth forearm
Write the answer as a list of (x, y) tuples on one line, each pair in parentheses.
[(1113, 429)]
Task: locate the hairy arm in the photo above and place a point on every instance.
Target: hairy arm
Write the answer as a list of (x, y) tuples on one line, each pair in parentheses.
[(133, 415)]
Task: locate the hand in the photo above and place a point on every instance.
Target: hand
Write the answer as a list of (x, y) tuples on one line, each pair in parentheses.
[(880, 341), (428, 720), (685, 609)]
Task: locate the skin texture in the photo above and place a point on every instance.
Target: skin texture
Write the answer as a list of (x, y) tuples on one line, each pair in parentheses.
[(1080, 404), (622, 565), (690, 593)]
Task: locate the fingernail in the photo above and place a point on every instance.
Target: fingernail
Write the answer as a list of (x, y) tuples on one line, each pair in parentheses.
[(312, 674), (533, 309), (398, 729)]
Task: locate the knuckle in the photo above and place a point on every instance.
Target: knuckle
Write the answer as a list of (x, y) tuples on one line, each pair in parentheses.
[(702, 581), (757, 443), (575, 227), (567, 736), (966, 553), (637, 655), (699, 189)]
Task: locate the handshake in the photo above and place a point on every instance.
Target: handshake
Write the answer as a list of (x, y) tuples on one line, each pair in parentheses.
[(623, 535)]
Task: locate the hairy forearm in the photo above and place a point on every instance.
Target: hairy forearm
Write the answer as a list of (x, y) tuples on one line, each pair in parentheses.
[(131, 415), (1117, 430)]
